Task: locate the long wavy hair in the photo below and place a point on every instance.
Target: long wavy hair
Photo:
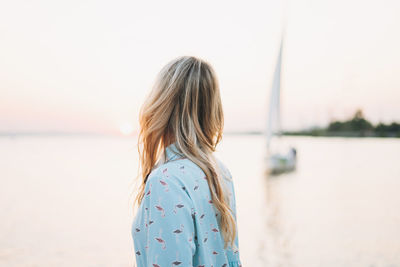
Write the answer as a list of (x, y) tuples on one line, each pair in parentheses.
[(184, 107)]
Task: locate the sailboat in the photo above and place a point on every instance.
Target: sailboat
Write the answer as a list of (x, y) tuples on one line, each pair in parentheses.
[(277, 162)]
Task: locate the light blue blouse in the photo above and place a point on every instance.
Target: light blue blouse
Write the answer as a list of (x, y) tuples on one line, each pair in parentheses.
[(177, 223)]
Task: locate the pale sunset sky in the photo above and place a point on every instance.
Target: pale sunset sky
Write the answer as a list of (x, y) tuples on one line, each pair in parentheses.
[(86, 66)]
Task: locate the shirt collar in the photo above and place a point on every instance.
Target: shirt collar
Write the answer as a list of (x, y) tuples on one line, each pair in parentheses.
[(172, 152)]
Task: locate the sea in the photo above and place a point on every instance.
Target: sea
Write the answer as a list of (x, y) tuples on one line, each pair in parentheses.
[(67, 201)]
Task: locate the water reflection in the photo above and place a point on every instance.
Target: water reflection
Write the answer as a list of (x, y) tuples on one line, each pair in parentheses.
[(278, 237), (340, 207)]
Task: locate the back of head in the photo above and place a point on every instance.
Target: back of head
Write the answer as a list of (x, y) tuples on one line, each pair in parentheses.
[(184, 107)]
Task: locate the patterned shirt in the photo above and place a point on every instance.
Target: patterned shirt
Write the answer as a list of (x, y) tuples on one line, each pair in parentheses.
[(176, 223)]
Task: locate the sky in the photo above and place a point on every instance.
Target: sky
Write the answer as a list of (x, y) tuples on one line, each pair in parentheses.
[(87, 65)]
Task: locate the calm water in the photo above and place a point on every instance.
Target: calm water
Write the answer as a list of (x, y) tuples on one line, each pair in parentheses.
[(65, 201)]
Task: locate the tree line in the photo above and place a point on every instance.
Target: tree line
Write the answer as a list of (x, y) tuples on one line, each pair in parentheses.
[(357, 126)]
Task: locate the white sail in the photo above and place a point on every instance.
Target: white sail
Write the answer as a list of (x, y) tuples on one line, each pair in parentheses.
[(274, 126), (278, 162)]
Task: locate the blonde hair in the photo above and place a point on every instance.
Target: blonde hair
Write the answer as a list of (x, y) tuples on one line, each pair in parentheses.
[(184, 107)]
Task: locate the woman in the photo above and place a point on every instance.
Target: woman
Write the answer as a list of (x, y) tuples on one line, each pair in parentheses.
[(187, 213)]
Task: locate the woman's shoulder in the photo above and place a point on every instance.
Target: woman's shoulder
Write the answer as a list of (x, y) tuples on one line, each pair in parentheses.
[(168, 170), (178, 172), (185, 173)]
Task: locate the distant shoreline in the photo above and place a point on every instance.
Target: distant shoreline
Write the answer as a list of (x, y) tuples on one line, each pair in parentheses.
[(349, 134), (46, 134), (310, 133), (357, 126)]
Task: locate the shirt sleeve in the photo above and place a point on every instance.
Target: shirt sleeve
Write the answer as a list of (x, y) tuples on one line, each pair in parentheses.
[(168, 222)]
